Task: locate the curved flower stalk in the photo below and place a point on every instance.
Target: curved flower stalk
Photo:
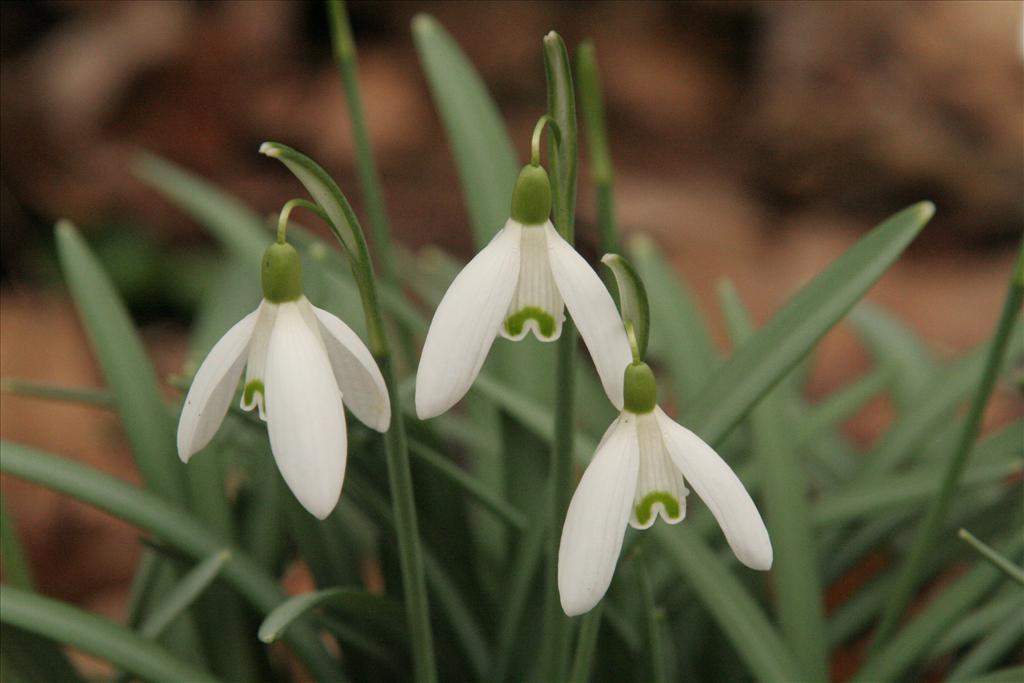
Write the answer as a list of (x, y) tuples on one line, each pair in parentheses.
[(302, 365), (521, 282), (640, 471)]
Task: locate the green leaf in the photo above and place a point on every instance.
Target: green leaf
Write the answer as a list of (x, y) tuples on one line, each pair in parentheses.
[(993, 556), (588, 82), (126, 367), (899, 653), (586, 646), (55, 392), (790, 334), (484, 155), (892, 342), (798, 587), (375, 613), (632, 299), (1013, 674), (565, 154), (756, 641), (990, 649), (183, 595), (844, 403), (92, 634), (16, 568), (173, 526)]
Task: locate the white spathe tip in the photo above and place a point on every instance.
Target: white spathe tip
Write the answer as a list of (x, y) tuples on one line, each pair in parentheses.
[(270, 149)]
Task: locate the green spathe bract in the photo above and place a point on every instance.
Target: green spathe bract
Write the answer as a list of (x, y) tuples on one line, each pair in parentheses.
[(282, 273), (644, 507), (531, 198), (640, 392), (545, 323)]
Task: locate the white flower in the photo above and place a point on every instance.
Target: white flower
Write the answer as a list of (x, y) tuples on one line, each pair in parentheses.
[(301, 363), (520, 282), (637, 474)]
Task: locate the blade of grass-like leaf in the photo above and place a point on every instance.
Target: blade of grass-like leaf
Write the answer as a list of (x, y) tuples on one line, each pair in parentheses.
[(484, 155), (97, 636), (101, 398), (1013, 674), (798, 596), (588, 81), (586, 645), (761, 362), (844, 403), (655, 644), (978, 622), (171, 525), (524, 568), (12, 555), (901, 491), (183, 595), (126, 367), (937, 509), (678, 317), (562, 159), (990, 649), (899, 653), (754, 638), (378, 613), (891, 341), (990, 554)]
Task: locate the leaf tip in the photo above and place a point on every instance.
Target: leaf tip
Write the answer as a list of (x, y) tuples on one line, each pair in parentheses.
[(422, 22), (270, 149), (65, 228)]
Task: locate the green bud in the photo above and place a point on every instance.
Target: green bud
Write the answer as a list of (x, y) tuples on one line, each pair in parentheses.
[(640, 391), (531, 198), (282, 273)]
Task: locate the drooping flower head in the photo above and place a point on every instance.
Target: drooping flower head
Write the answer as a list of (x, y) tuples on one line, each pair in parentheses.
[(639, 472), (302, 366), (520, 283)]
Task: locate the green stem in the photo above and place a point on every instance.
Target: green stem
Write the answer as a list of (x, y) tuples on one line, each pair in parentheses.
[(588, 81), (369, 177), (583, 660), (286, 212), (655, 642), (993, 556), (936, 514)]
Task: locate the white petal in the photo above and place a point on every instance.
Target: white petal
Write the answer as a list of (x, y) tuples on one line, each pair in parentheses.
[(536, 304), (722, 491), (362, 386), (594, 313), (213, 388), (659, 488), (466, 323), (305, 419), (596, 521), (255, 369)]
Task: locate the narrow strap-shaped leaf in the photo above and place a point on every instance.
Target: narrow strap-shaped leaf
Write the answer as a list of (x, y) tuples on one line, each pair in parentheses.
[(588, 82), (12, 555), (181, 597), (992, 555), (754, 638), (171, 525), (899, 653), (484, 155), (938, 508), (1013, 674), (565, 154), (586, 646), (632, 299), (768, 355), (990, 649), (798, 587), (375, 613), (126, 367), (891, 341), (95, 635), (101, 398), (844, 403)]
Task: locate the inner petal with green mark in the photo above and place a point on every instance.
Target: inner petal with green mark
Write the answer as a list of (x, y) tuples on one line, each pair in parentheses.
[(536, 304), (659, 487), (253, 395)]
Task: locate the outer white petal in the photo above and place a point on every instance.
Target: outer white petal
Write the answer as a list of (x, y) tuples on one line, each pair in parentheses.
[(213, 388), (722, 491), (593, 311), (466, 323), (596, 521), (362, 386), (305, 418)]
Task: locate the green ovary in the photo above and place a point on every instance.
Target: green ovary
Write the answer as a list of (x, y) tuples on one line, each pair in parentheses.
[(643, 508), (545, 323), (251, 387)]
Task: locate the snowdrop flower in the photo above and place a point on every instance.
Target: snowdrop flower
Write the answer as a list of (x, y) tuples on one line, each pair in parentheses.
[(301, 362), (639, 472), (521, 282)]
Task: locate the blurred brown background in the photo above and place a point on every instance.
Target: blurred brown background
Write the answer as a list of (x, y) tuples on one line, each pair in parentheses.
[(754, 141)]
